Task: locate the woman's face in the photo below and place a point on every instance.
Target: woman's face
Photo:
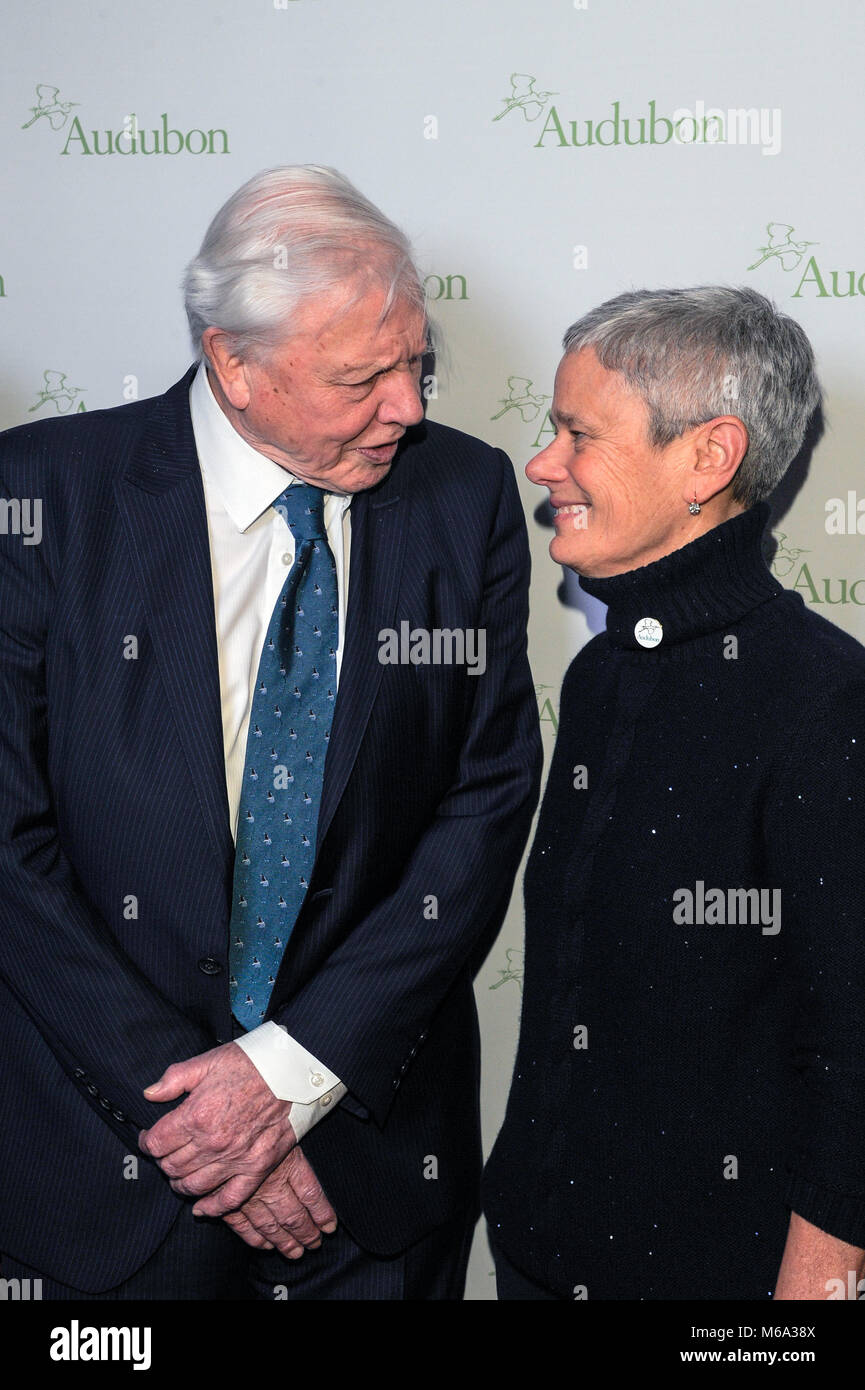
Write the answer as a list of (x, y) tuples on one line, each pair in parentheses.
[(618, 501)]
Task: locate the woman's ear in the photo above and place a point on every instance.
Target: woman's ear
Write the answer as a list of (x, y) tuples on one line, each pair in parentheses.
[(720, 446)]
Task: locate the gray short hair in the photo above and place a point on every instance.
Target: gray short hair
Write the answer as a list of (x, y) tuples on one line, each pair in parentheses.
[(713, 350), (289, 234)]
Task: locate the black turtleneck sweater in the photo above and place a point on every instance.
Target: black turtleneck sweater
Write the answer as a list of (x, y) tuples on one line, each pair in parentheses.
[(719, 1081)]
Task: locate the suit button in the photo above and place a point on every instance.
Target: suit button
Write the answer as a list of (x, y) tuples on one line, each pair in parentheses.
[(92, 1090), (79, 1074), (106, 1104), (119, 1114), (208, 966)]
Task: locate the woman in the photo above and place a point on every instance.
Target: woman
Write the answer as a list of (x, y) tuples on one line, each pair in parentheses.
[(687, 1113)]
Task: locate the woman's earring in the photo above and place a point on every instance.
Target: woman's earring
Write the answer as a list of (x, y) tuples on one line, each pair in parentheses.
[(694, 507)]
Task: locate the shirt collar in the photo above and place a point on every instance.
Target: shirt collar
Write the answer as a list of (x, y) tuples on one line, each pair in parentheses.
[(248, 482)]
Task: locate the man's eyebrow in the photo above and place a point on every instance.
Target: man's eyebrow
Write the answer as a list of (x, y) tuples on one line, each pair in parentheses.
[(366, 369)]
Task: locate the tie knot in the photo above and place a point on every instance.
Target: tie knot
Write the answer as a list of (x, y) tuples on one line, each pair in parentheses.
[(302, 505)]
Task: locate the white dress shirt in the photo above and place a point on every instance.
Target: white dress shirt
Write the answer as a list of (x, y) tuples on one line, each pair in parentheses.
[(251, 553)]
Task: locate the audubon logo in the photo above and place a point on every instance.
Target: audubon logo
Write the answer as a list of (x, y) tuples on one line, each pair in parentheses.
[(56, 392), (49, 107), (697, 125), (445, 287), (547, 713), (812, 281), (529, 405), (514, 969), (816, 589), (781, 247), (131, 138), (524, 98), (784, 561)]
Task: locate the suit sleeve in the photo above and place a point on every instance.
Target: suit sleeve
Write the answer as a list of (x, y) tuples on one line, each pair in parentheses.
[(367, 1009), (106, 1024), (814, 832)]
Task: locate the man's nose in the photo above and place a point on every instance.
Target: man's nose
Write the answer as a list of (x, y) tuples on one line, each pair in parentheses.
[(401, 402)]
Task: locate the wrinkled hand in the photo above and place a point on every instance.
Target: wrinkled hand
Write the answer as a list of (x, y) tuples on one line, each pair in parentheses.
[(227, 1135), (289, 1211)]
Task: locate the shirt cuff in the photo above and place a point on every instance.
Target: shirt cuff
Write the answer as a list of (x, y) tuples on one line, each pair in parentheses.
[(293, 1074)]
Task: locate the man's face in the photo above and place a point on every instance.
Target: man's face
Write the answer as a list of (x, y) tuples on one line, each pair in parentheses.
[(619, 502), (331, 402)]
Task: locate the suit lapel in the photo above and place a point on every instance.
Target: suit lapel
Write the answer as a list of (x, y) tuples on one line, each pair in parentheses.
[(379, 525), (161, 497)]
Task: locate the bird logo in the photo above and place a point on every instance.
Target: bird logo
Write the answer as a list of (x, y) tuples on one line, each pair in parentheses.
[(524, 97), (514, 969), (781, 247), (521, 398), (785, 556), (56, 112), (55, 389)]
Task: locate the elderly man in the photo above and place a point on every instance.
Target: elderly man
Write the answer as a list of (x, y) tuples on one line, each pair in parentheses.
[(249, 856)]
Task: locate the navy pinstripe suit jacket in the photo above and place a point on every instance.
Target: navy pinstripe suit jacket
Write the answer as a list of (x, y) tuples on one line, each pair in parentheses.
[(116, 854)]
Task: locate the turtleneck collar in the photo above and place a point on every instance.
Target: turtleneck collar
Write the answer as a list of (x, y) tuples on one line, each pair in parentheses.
[(691, 592)]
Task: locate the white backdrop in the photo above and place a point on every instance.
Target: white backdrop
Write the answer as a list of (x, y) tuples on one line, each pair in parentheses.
[(543, 156)]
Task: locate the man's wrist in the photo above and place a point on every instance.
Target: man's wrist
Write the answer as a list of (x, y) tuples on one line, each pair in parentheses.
[(293, 1074)]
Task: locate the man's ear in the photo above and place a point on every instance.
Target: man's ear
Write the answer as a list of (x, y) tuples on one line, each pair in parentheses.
[(719, 447), (229, 368)]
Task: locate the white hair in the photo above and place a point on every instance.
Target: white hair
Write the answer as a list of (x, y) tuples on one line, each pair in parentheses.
[(287, 235)]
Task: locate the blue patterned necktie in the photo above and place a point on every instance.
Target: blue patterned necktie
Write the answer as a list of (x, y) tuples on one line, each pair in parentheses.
[(289, 728)]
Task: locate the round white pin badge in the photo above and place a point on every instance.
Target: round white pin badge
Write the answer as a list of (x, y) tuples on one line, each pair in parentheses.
[(648, 632)]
